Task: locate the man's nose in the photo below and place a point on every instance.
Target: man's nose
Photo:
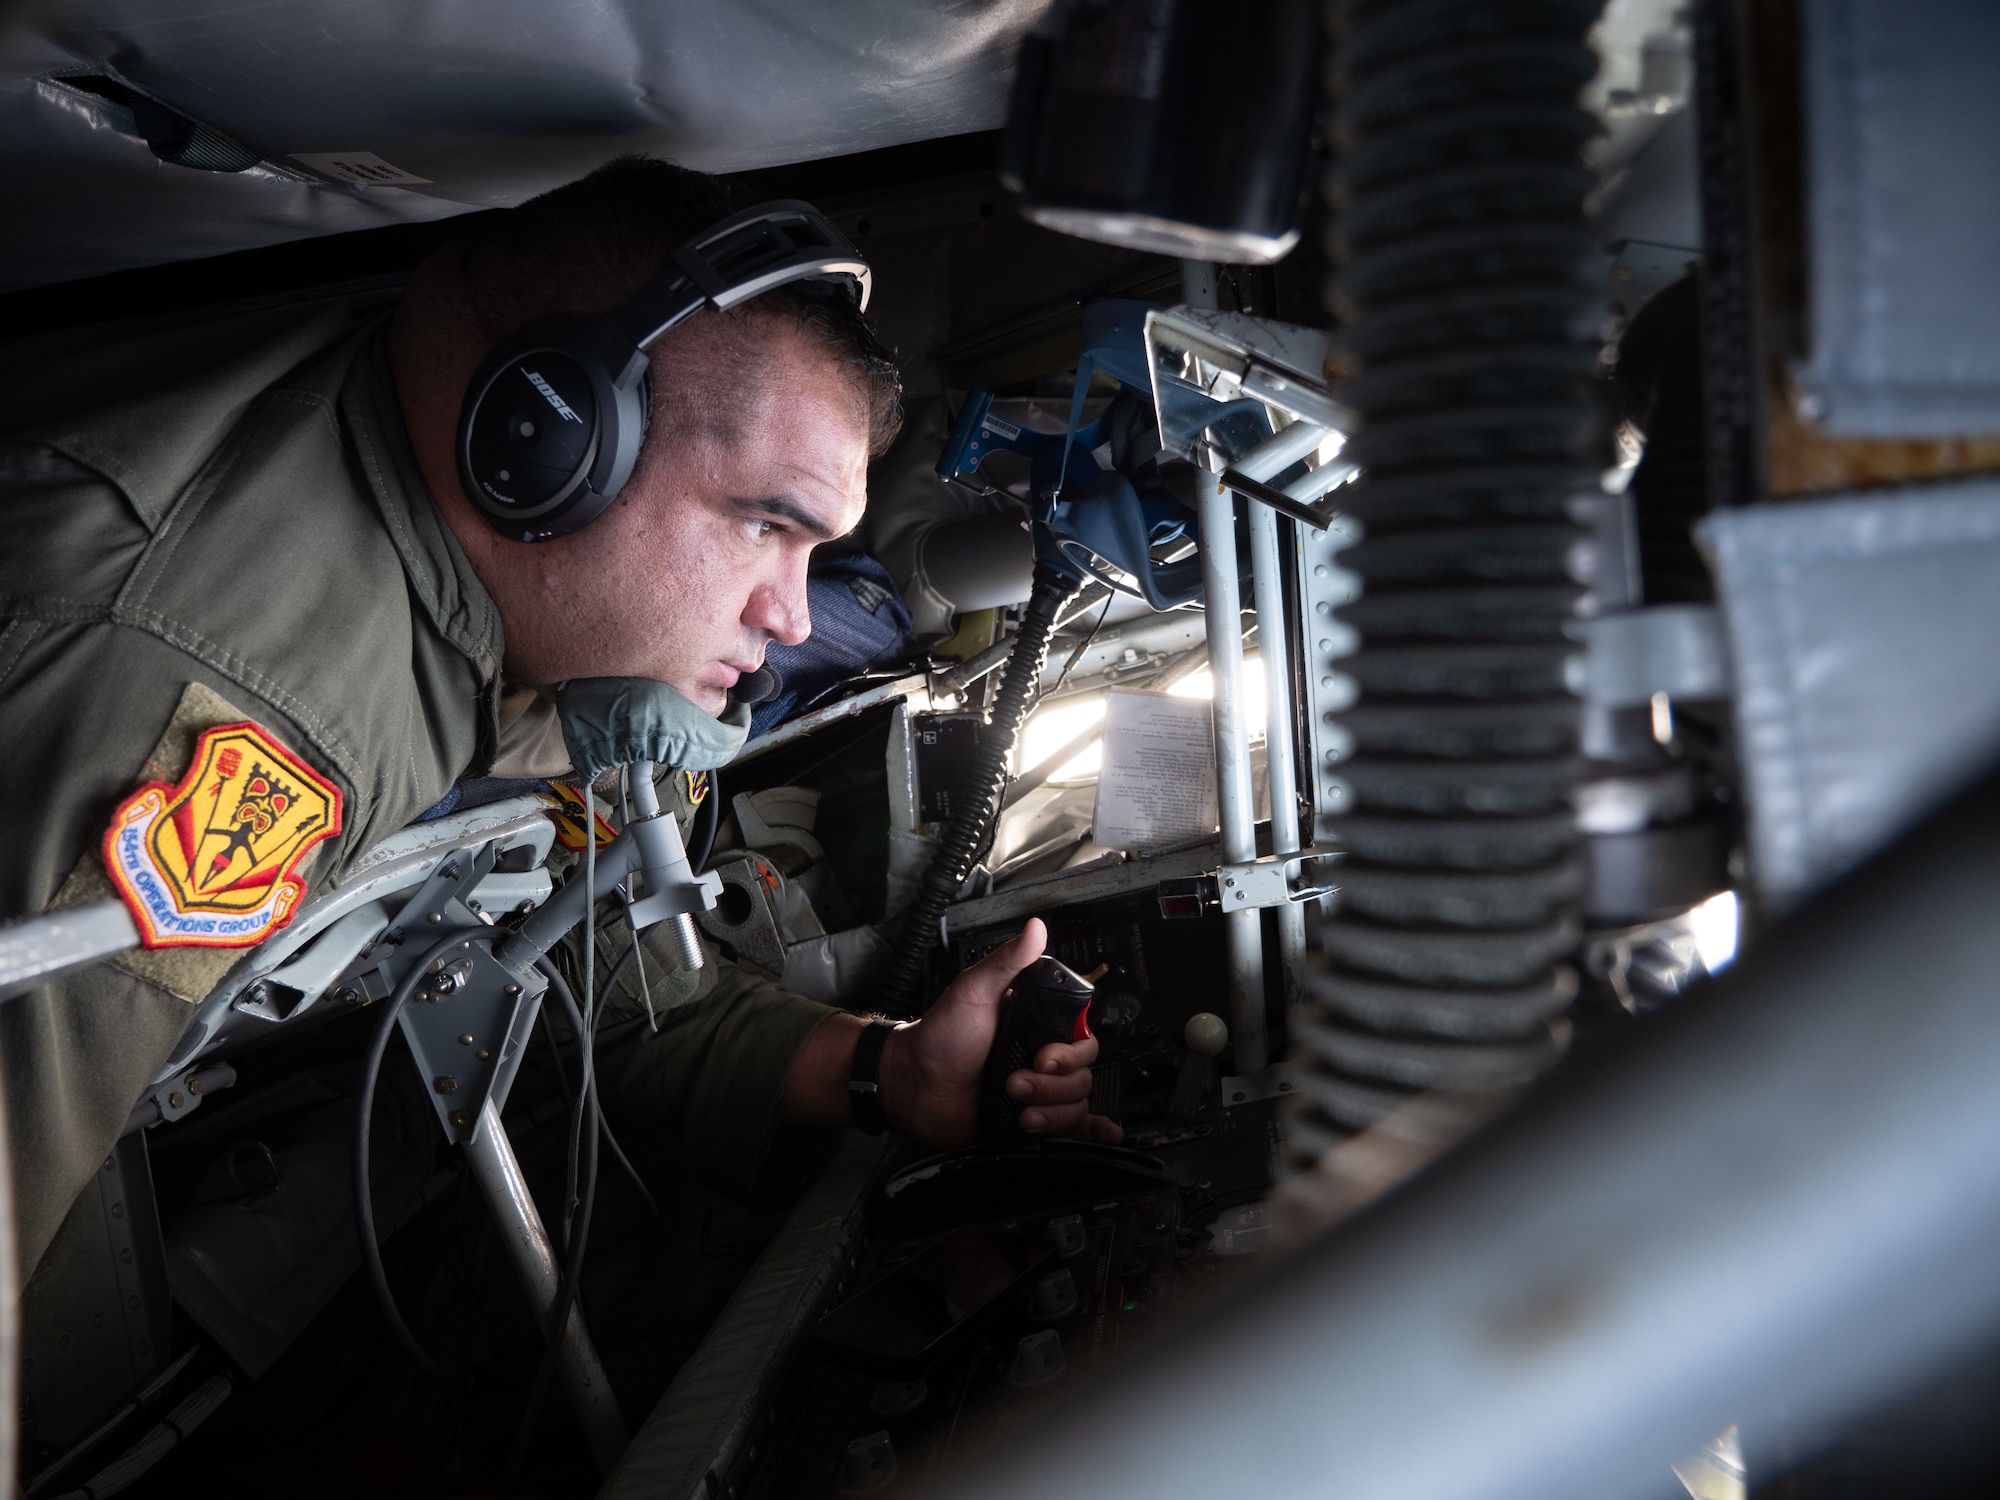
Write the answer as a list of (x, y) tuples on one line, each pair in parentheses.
[(778, 608)]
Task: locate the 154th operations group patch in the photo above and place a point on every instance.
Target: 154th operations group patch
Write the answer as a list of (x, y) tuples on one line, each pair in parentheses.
[(210, 862)]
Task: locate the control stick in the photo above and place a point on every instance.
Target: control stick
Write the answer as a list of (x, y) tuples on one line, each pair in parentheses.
[(1049, 1002)]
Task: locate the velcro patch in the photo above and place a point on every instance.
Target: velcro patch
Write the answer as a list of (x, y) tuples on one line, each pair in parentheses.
[(211, 861)]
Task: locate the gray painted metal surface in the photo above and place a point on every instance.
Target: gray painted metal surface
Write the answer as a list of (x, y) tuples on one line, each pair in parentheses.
[(37, 949), (1073, 887), (1324, 586), (847, 708), (339, 924)]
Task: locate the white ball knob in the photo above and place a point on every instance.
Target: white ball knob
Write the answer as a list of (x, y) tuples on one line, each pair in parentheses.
[(1206, 1033)]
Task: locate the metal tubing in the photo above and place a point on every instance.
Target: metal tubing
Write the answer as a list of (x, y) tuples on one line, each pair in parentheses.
[(1776, 1205), (645, 797), (1310, 486), (662, 856), (37, 950), (1278, 500), (1236, 807), (1280, 755), (553, 919), (590, 1397), (1281, 450)]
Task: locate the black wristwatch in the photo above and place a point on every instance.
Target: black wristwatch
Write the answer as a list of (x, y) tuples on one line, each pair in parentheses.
[(864, 1079)]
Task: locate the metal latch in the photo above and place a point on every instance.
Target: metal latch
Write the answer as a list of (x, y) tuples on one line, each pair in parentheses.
[(1244, 887), (1269, 882)]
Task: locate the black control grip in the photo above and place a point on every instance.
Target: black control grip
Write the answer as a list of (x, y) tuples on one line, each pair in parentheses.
[(1050, 1003)]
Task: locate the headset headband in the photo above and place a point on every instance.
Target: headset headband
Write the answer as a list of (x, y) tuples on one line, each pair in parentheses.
[(744, 256)]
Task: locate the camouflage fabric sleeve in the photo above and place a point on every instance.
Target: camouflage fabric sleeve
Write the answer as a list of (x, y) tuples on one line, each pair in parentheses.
[(703, 1091)]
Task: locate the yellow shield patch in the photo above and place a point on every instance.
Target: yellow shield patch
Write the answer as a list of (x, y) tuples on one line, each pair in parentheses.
[(209, 863), (567, 811)]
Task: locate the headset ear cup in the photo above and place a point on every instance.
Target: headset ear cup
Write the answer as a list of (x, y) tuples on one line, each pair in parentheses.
[(536, 418)]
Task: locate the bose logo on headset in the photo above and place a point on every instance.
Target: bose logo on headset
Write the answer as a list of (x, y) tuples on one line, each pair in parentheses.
[(561, 406), (533, 479)]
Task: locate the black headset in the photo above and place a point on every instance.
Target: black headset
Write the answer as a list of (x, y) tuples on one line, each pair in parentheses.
[(555, 416)]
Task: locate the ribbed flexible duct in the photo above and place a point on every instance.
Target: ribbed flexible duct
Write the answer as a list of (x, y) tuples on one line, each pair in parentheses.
[(1467, 343)]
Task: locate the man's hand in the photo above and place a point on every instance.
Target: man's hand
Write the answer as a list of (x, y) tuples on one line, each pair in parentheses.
[(931, 1068)]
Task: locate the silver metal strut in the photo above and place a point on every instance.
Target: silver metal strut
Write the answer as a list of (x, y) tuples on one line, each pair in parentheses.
[(498, 1174), (1236, 807), (1280, 758)]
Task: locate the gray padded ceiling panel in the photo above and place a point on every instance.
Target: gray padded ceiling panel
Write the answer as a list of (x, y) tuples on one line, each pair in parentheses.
[(1861, 633), (487, 101), (1902, 110)]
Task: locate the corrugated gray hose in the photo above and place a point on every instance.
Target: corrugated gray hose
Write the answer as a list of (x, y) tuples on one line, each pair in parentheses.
[(1467, 341)]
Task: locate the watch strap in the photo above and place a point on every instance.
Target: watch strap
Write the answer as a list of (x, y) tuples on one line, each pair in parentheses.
[(864, 1078)]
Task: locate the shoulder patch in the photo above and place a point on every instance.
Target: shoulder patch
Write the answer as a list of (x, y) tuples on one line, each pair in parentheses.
[(567, 813), (210, 862), (694, 785)]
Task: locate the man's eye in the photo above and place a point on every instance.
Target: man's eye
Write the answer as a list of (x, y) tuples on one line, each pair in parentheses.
[(761, 529)]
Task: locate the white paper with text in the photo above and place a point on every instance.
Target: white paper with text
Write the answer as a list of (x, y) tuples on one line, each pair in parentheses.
[(1156, 785)]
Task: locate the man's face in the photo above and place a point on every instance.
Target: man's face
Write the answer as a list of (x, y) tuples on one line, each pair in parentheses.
[(701, 562)]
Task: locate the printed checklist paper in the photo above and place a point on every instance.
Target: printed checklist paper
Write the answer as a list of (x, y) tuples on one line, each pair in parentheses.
[(1156, 784)]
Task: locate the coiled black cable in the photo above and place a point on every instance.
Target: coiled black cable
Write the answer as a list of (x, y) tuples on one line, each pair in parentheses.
[(1467, 343), (971, 821)]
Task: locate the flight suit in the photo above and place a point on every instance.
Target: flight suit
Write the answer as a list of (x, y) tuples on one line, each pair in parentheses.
[(216, 520)]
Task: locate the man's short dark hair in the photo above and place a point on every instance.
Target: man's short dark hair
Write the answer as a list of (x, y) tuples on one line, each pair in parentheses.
[(584, 247)]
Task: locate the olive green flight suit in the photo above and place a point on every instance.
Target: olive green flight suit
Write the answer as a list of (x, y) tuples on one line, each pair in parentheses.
[(224, 516)]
